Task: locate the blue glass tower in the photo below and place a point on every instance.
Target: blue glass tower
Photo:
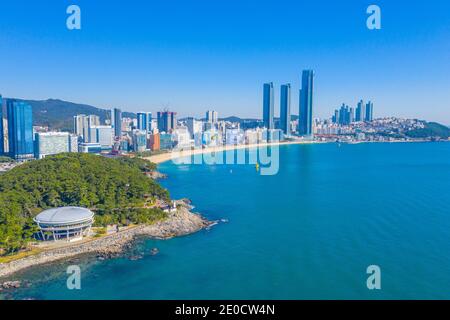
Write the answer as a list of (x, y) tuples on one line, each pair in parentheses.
[(268, 106), (117, 122), (306, 103), (285, 109), (20, 130), (369, 111), (142, 121)]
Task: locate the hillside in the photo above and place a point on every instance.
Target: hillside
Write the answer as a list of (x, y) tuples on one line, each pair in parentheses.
[(58, 114), (432, 129), (116, 189)]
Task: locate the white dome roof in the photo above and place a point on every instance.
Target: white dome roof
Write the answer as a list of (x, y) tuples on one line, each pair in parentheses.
[(64, 215)]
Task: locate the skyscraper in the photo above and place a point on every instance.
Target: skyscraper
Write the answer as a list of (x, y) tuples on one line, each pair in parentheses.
[(78, 124), (167, 121), (268, 105), (285, 109), (2, 134), (361, 111), (212, 116), (117, 122), (144, 121), (306, 103), (20, 130), (149, 121), (369, 111)]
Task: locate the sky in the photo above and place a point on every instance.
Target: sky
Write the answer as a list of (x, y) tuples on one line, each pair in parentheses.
[(193, 55)]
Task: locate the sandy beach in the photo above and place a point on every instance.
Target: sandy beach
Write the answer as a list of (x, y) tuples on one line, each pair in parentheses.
[(173, 155)]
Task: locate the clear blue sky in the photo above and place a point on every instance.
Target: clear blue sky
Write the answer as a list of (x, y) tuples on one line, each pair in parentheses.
[(193, 55)]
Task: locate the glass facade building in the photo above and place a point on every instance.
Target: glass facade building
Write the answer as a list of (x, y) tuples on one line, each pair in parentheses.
[(369, 111), (116, 121), (167, 121), (306, 104), (144, 121), (20, 130), (285, 109), (2, 133), (268, 105)]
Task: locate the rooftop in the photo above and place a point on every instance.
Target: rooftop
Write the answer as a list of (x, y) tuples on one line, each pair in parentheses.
[(64, 215)]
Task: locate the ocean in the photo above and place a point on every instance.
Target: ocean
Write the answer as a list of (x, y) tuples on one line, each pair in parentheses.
[(308, 232)]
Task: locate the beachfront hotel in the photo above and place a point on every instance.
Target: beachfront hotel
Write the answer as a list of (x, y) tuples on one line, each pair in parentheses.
[(65, 223)]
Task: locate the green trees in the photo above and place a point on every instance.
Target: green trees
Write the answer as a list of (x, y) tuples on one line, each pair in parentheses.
[(432, 129), (115, 189)]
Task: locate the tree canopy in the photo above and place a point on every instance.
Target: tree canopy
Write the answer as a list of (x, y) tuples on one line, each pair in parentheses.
[(116, 189)]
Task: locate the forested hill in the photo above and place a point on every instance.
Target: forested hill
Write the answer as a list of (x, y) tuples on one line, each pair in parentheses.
[(117, 189), (58, 114)]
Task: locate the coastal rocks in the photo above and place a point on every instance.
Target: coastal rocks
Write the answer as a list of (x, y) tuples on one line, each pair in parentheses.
[(10, 285), (179, 223), (156, 175)]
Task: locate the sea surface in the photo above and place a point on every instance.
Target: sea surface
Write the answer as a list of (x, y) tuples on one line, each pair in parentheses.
[(308, 232)]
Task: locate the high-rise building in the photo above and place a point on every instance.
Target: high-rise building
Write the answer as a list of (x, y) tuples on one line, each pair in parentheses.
[(268, 105), (48, 143), (167, 121), (335, 117), (212, 116), (361, 111), (144, 121), (82, 123), (20, 130), (165, 141), (79, 124), (154, 142), (104, 135), (73, 143), (116, 121), (139, 141), (369, 111), (285, 109), (2, 133), (306, 103), (194, 126)]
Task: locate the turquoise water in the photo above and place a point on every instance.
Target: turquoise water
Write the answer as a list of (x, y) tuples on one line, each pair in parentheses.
[(308, 232)]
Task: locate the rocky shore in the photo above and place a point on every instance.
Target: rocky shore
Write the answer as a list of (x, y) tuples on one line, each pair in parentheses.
[(179, 223)]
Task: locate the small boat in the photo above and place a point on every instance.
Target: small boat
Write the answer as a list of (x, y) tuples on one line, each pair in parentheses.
[(154, 251), (257, 167)]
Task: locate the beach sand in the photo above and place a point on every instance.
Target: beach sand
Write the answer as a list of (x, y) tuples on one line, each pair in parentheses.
[(173, 155)]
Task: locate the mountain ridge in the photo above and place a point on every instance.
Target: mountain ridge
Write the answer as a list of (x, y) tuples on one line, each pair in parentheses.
[(58, 114)]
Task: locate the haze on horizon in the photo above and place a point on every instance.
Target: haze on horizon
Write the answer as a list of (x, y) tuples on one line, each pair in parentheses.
[(190, 56)]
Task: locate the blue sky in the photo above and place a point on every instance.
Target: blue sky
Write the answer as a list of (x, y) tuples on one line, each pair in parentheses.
[(193, 55)]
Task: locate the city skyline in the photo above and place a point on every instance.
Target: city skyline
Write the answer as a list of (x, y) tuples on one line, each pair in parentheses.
[(198, 63)]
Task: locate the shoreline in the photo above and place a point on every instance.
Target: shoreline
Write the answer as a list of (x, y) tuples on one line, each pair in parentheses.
[(173, 155), (179, 223)]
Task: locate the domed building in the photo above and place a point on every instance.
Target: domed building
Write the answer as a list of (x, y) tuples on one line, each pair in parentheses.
[(68, 223)]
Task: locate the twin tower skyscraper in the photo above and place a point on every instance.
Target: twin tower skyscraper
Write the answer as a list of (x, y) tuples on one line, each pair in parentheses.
[(305, 106)]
